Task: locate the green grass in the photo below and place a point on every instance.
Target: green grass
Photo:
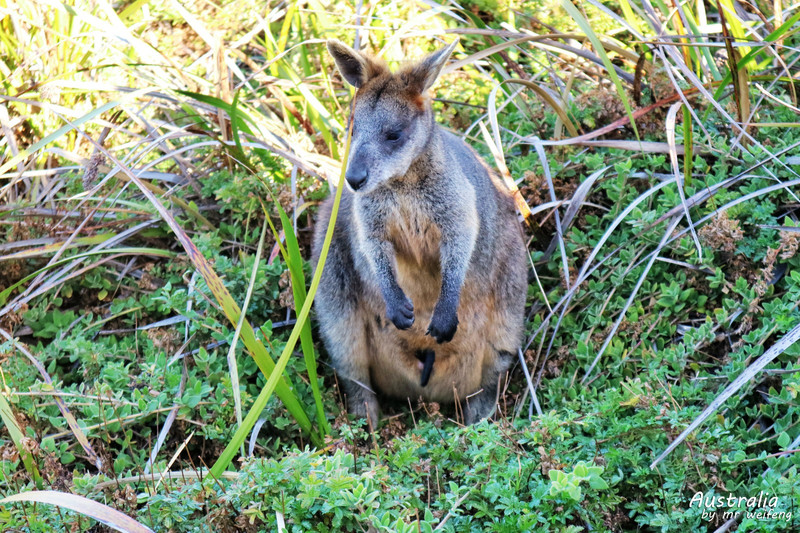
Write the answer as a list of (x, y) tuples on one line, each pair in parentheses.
[(160, 167)]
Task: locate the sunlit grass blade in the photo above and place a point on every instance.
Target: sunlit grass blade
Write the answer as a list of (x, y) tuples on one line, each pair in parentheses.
[(774, 36), (16, 434), (630, 17), (257, 350), (730, 18), (55, 246), (238, 438), (95, 510), (600, 51)]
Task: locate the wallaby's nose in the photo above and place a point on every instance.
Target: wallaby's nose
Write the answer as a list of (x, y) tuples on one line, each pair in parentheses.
[(356, 176)]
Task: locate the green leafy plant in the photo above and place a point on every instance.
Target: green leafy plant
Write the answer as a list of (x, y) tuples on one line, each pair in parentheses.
[(160, 167), (568, 485)]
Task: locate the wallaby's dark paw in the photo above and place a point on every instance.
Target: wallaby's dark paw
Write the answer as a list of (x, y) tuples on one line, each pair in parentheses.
[(443, 326), (400, 311)]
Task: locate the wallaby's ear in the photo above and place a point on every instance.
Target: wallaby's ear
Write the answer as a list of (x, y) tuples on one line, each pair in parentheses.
[(356, 68), (423, 75)]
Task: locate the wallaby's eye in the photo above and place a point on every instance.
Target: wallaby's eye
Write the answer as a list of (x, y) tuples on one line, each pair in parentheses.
[(394, 135)]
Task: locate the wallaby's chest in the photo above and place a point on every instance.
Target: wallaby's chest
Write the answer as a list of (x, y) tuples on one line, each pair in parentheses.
[(414, 234)]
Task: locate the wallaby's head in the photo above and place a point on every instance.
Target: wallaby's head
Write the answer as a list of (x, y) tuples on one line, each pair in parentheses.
[(392, 116)]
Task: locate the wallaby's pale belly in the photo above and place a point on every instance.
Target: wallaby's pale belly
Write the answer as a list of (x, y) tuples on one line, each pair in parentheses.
[(457, 372), (394, 367)]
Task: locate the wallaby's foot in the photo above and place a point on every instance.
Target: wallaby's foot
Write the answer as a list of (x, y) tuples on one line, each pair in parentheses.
[(400, 310), (484, 403), (478, 407), (366, 408), (443, 324)]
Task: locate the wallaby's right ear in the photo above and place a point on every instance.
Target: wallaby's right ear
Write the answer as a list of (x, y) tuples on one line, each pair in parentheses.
[(355, 67)]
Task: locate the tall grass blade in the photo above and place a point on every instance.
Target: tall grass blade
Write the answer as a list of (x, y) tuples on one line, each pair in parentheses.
[(688, 149), (223, 297), (600, 51), (774, 37), (728, 17), (238, 438), (673, 158), (733, 64), (292, 257), (98, 511), (294, 261), (16, 434)]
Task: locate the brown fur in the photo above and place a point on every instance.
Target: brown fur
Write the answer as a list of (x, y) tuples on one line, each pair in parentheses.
[(429, 224)]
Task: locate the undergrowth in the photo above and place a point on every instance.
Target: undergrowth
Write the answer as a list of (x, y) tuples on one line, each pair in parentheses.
[(161, 166)]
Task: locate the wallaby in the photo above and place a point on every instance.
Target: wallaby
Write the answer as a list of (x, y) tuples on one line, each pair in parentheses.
[(423, 291)]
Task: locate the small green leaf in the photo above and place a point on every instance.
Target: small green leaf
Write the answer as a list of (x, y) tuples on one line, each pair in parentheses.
[(598, 483), (574, 492)]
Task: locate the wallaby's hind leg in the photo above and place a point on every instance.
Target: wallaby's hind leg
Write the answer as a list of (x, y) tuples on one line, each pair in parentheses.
[(347, 335), (343, 322), (483, 404), (353, 372), (347, 340)]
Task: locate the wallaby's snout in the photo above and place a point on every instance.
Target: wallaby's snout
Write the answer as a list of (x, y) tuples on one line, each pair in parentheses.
[(356, 174)]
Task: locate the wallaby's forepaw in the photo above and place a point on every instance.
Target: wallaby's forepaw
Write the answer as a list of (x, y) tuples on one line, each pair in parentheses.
[(443, 325), (400, 311)]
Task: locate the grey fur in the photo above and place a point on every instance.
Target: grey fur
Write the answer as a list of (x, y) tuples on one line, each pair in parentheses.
[(427, 253)]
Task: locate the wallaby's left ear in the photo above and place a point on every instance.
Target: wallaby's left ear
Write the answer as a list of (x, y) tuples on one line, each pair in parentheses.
[(355, 67), (423, 75)]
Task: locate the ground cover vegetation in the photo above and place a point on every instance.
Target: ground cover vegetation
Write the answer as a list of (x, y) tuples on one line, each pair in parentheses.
[(160, 168)]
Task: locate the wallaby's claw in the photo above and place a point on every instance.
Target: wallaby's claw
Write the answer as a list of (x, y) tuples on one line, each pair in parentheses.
[(401, 312), (443, 326)]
